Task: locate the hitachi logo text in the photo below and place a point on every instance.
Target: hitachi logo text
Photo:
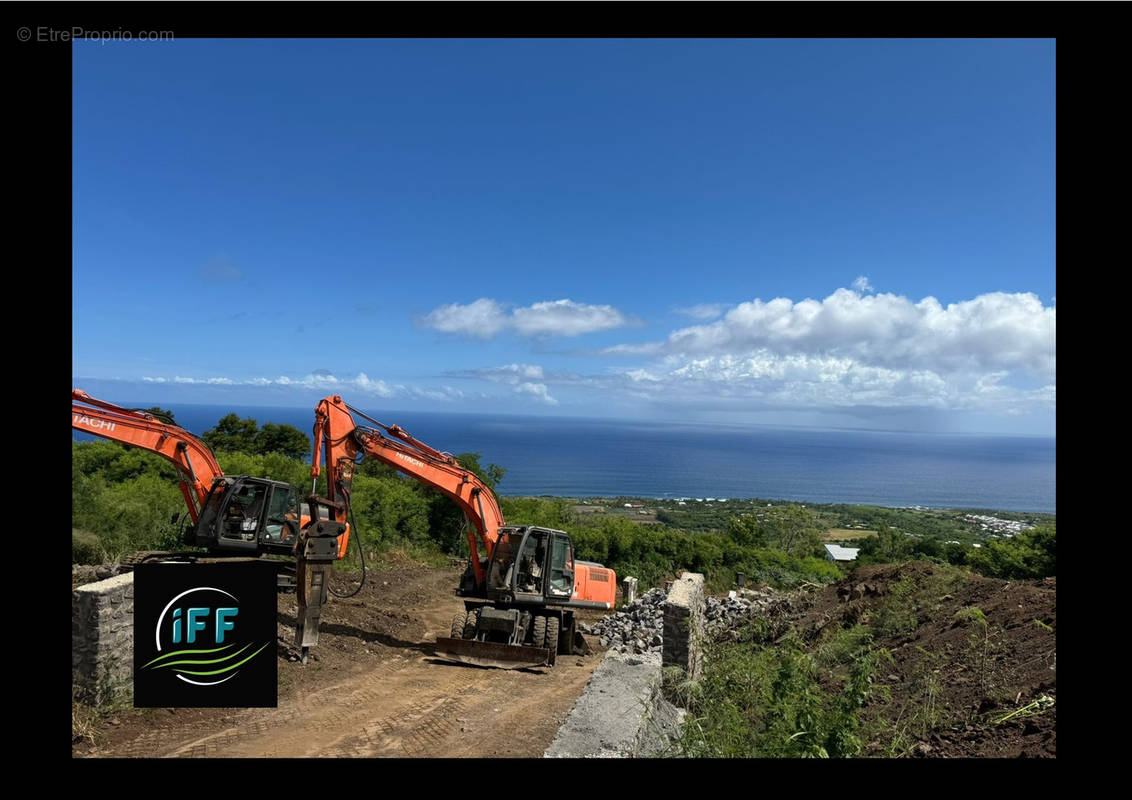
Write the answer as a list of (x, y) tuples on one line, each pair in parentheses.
[(412, 461), (81, 419)]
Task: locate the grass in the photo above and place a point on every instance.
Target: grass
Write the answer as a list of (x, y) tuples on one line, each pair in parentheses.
[(84, 721), (396, 555), (762, 699), (845, 534), (87, 717), (922, 711)]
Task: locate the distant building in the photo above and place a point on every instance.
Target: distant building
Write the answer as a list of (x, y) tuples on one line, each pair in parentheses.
[(835, 552)]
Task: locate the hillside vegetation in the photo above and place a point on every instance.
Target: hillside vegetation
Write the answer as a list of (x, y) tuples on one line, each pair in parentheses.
[(900, 660), (938, 641), (123, 500)]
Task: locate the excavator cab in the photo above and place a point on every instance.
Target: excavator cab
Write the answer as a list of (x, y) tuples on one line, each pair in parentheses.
[(531, 565), (248, 515), (528, 618)]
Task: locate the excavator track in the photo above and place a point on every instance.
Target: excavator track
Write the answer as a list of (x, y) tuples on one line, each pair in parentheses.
[(133, 560)]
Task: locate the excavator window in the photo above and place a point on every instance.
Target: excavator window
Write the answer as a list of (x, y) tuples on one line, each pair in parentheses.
[(284, 507), (212, 506), (531, 564), (242, 515), (562, 567), (503, 562)]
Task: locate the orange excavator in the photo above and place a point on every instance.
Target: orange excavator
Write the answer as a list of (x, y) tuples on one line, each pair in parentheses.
[(522, 586), (232, 516)]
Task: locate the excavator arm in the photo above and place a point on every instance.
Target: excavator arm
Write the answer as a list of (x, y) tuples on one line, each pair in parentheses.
[(192, 458), (337, 434)]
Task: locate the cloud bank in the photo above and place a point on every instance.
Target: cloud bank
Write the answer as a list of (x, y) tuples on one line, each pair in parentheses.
[(323, 380), (994, 353), (991, 332), (485, 318), (520, 377)]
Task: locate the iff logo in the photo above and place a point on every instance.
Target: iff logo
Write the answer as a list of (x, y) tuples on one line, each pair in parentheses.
[(203, 635)]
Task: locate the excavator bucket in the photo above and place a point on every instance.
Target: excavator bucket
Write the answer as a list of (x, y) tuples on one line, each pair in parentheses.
[(493, 654)]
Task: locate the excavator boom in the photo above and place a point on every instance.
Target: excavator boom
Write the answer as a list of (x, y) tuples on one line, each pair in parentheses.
[(188, 454)]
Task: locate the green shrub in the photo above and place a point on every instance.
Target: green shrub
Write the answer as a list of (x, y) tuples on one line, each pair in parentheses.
[(85, 547), (769, 702), (1031, 554)]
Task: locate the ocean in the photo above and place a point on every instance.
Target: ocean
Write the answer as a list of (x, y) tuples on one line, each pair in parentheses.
[(607, 458)]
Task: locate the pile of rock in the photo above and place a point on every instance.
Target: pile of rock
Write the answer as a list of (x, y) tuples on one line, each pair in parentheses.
[(737, 606), (637, 628)]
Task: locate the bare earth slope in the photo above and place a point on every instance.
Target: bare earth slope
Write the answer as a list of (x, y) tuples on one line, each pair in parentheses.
[(954, 683)]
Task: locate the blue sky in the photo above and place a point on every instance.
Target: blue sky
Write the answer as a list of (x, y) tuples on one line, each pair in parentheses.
[(848, 233)]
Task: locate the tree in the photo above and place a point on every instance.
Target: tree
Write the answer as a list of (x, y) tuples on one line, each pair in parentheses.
[(796, 530), (746, 531), (1028, 555), (285, 439), (887, 547), (233, 433)]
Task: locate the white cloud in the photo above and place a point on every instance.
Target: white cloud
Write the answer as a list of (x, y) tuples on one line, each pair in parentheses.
[(992, 331), (520, 377), (704, 311), (862, 285), (537, 390), (323, 380), (485, 318), (511, 373), (994, 352)]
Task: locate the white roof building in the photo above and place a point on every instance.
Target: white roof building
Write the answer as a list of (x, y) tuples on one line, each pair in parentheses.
[(835, 552)]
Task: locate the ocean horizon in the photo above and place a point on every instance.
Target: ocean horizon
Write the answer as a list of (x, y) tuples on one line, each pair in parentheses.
[(575, 457)]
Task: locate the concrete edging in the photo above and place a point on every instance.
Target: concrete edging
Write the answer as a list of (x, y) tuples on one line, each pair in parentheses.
[(621, 713)]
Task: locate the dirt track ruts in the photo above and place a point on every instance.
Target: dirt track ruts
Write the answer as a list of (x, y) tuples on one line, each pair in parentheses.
[(387, 696)]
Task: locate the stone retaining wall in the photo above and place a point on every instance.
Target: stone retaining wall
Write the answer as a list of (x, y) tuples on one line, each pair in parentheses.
[(684, 625), (102, 639), (622, 712)]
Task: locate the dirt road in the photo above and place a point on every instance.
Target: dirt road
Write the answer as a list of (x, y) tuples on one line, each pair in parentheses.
[(372, 689)]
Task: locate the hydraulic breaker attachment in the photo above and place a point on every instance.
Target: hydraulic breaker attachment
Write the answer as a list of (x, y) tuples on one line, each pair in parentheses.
[(318, 548)]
